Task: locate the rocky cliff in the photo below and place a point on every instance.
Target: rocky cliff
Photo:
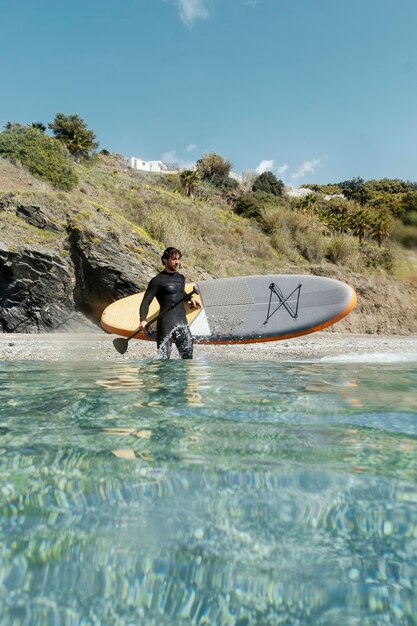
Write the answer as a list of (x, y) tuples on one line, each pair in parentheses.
[(62, 285)]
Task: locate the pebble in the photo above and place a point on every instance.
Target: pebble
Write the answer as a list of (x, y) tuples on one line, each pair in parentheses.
[(98, 346)]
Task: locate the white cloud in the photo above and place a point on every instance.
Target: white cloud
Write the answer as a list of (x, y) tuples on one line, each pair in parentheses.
[(305, 168), (282, 169), (191, 10), (171, 157), (264, 166), (191, 147)]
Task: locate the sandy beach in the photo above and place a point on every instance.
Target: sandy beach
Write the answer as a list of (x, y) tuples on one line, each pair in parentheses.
[(98, 346)]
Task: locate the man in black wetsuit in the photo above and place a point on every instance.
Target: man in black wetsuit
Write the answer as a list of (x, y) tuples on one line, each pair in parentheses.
[(168, 287)]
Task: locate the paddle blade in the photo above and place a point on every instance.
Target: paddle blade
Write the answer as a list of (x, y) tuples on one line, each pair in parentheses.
[(120, 343)]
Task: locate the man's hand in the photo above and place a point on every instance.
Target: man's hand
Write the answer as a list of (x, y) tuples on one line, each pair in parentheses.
[(142, 325), (194, 303)]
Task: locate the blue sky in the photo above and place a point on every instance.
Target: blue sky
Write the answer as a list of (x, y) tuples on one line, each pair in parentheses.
[(313, 90)]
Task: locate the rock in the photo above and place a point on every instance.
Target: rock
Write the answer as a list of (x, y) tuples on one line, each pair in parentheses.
[(104, 272), (6, 200), (38, 216), (36, 291)]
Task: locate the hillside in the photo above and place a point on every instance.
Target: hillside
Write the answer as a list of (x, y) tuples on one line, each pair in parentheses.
[(64, 255)]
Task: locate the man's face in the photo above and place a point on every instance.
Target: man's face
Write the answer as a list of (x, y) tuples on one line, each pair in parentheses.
[(172, 263)]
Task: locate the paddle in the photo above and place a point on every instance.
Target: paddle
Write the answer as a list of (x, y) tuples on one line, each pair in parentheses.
[(121, 343)]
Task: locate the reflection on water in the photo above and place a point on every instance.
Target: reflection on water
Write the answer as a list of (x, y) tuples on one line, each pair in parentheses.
[(179, 492)]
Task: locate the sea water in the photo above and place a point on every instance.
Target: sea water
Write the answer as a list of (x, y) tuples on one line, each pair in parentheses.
[(198, 492)]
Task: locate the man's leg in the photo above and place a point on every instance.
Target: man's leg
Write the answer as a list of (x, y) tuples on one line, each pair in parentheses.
[(164, 347), (184, 342)]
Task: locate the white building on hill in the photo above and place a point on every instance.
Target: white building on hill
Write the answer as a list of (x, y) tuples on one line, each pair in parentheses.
[(302, 192), (145, 166), (297, 193)]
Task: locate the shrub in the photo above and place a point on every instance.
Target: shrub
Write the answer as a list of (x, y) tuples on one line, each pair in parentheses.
[(214, 169), (410, 218), (248, 205), (278, 221), (255, 204), (340, 250), (168, 229), (406, 235), (43, 156), (377, 258), (275, 216), (311, 245), (283, 242)]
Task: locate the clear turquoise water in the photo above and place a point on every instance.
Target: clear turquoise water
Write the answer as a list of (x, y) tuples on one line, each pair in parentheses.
[(257, 493)]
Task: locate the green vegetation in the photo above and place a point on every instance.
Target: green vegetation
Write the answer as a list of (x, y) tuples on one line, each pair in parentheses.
[(360, 224), (268, 182), (190, 180), (72, 131), (214, 169), (43, 156)]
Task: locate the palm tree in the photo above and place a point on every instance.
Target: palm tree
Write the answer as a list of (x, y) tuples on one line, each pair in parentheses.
[(309, 203), (360, 220), (336, 222), (380, 227), (190, 179)]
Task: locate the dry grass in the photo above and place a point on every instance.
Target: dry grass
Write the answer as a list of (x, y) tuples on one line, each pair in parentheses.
[(342, 250), (17, 178)]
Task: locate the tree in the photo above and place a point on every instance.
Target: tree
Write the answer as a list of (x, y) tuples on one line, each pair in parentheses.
[(190, 179), (12, 125), (409, 201), (72, 131), (356, 189), (268, 182), (43, 156), (39, 126), (215, 169)]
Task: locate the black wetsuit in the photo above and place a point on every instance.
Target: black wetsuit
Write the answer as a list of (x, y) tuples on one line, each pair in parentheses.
[(168, 288)]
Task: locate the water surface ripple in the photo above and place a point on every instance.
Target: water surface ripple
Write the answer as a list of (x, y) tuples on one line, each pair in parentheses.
[(235, 494)]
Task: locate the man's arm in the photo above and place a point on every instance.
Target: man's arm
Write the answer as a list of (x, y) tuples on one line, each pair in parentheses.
[(149, 295), (194, 303)]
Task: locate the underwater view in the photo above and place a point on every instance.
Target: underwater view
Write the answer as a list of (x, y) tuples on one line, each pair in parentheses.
[(208, 493)]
